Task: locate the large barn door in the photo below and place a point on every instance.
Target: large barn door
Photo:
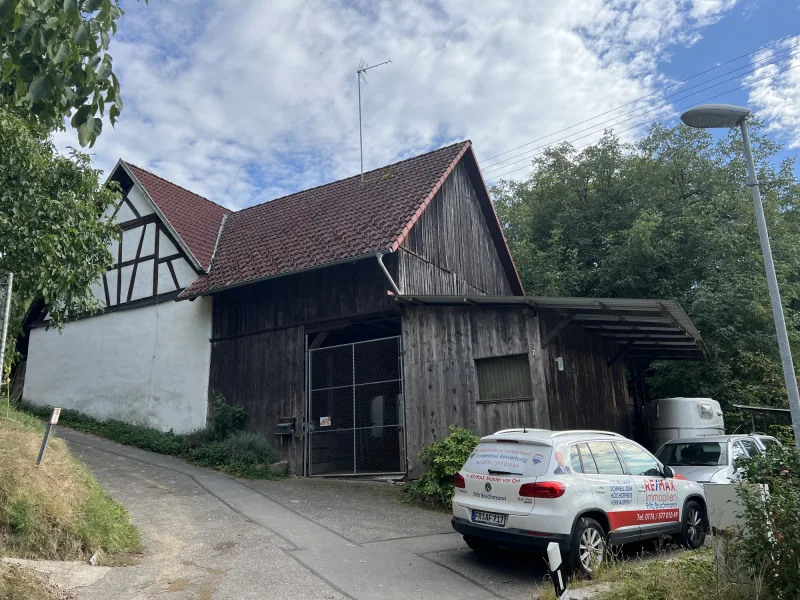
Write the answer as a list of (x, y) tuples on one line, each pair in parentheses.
[(356, 412)]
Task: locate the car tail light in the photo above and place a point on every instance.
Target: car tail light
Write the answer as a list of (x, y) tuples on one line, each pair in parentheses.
[(543, 489), (459, 482)]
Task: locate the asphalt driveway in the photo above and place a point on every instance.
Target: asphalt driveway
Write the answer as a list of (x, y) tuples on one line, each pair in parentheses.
[(209, 536)]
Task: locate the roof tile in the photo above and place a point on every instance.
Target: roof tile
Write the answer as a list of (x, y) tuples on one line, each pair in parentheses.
[(328, 223), (196, 219)]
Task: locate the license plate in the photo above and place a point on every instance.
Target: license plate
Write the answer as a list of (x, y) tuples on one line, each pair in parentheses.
[(486, 518)]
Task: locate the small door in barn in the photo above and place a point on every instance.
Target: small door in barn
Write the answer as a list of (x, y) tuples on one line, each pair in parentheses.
[(356, 412)]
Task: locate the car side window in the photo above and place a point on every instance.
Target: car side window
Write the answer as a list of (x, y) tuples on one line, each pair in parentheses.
[(751, 447), (575, 459), (737, 451), (606, 458), (587, 460), (639, 462)]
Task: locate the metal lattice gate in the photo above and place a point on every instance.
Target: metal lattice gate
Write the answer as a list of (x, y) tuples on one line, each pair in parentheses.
[(356, 412)]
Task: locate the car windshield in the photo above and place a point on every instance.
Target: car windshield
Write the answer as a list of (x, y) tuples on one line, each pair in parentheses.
[(694, 454)]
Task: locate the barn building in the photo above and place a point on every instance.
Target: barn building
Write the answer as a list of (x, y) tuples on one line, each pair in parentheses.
[(354, 321)]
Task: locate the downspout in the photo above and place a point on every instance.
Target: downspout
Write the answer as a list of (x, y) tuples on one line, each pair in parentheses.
[(393, 285)]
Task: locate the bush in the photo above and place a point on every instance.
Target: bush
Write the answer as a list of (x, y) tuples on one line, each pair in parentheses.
[(222, 446), (226, 418), (442, 459), (768, 547)]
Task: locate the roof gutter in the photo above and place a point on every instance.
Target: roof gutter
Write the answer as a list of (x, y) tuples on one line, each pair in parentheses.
[(379, 256)]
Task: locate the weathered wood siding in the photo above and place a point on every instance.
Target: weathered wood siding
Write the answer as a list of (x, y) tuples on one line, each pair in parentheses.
[(587, 394), (440, 345), (450, 250), (336, 292), (265, 374), (258, 340)]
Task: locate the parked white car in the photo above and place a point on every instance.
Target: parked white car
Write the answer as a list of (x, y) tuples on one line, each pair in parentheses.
[(710, 459), (526, 488)]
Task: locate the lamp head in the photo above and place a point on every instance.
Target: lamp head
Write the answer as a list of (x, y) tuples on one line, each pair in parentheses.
[(712, 116)]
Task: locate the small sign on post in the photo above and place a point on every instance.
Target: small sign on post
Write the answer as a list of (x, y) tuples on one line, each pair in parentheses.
[(53, 421), (557, 571)]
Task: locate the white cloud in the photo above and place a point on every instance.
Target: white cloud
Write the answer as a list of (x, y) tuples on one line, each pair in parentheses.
[(777, 99), (245, 100)]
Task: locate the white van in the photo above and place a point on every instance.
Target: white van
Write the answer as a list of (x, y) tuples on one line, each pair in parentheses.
[(672, 418)]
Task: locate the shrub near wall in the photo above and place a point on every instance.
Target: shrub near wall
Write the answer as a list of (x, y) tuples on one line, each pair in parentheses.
[(768, 547), (223, 446), (442, 460)]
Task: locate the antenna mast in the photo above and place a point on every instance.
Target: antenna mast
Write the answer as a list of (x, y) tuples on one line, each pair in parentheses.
[(361, 72)]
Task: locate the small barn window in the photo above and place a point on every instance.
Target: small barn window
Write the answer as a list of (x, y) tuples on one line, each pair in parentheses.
[(504, 378)]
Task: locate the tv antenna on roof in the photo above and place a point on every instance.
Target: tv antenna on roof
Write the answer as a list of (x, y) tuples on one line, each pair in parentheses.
[(361, 72)]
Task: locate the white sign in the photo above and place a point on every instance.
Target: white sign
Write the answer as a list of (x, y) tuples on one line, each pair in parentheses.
[(324, 421), (54, 418)]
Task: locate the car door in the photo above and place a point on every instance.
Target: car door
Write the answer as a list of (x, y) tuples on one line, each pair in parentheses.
[(611, 487), (657, 498)]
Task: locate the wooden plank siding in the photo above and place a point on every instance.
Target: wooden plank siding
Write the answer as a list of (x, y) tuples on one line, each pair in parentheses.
[(440, 345), (336, 292), (258, 349), (587, 394), (265, 374), (450, 250)]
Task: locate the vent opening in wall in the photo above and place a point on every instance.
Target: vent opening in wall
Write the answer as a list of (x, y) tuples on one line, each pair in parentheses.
[(504, 378)]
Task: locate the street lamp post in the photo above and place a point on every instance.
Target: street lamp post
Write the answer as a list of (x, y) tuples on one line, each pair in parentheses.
[(710, 116)]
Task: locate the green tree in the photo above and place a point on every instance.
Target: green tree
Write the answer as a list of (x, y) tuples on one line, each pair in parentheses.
[(54, 62), (51, 233), (668, 217)]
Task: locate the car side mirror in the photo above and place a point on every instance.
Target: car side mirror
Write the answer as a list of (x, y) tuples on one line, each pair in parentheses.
[(668, 472)]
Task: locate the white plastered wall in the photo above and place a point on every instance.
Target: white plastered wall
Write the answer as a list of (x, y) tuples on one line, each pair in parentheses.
[(147, 365)]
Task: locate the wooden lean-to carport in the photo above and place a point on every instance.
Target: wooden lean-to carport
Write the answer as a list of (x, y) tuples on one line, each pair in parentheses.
[(495, 362)]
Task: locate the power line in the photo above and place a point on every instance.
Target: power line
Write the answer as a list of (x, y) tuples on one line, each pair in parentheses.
[(648, 123), (647, 96), (498, 165)]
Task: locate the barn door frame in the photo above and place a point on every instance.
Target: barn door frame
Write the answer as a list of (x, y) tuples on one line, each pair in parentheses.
[(348, 397)]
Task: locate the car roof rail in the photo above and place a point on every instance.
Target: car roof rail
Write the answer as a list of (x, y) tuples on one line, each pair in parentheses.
[(589, 431)]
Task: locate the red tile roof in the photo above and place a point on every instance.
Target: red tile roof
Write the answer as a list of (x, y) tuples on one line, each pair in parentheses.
[(336, 221), (194, 218)]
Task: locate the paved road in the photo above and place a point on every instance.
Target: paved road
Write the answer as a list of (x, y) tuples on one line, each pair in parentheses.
[(209, 536)]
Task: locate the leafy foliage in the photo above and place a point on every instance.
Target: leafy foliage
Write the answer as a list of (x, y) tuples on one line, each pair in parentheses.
[(442, 459), (668, 217), (238, 453), (227, 418), (51, 235), (54, 62), (769, 544)]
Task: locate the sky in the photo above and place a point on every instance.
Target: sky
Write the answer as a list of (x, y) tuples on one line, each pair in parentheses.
[(243, 101)]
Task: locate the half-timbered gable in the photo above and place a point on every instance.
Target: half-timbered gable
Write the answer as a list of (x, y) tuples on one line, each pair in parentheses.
[(144, 357)]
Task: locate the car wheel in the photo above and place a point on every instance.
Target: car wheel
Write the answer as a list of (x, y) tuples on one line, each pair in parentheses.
[(588, 546), (478, 545), (693, 527)]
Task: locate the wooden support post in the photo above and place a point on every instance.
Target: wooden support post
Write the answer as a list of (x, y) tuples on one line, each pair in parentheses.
[(557, 329)]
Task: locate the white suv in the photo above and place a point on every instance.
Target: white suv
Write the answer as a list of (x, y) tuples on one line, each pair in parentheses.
[(525, 488)]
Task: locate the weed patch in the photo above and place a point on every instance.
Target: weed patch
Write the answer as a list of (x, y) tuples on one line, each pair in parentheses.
[(56, 510), (237, 453), (689, 575)]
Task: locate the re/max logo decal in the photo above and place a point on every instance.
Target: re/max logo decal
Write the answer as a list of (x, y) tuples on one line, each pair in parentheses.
[(659, 485)]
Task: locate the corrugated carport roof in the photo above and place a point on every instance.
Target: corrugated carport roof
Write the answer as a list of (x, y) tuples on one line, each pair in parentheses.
[(645, 329)]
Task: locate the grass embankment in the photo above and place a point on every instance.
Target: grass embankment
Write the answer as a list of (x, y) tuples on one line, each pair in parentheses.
[(688, 575), (56, 510), (20, 583), (239, 454)]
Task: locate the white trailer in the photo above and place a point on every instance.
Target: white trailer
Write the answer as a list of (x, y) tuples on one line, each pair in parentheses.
[(671, 418)]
